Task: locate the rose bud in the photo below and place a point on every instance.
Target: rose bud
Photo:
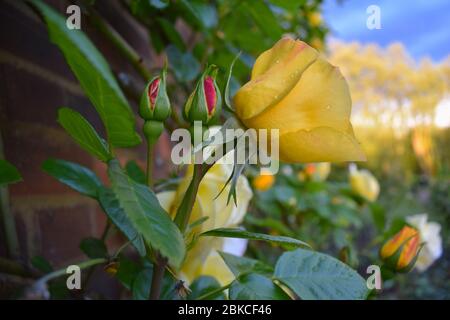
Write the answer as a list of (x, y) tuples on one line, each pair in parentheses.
[(364, 183), (155, 104), (263, 181), (401, 251), (205, 102), (296, 90)]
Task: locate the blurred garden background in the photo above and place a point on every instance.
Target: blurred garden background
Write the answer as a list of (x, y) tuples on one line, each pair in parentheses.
[(399, 77)]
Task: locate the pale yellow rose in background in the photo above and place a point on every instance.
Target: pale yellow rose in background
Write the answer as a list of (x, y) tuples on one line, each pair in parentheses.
[(430, 234), (318, 171), (315, 18), (294, 89), (203, 258), (364, 183), (323, 171)]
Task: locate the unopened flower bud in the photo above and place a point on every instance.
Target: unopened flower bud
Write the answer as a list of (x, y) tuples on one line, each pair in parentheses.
[(205, 102), (363, 183), (263, 182), (401, 251), (155, 104)]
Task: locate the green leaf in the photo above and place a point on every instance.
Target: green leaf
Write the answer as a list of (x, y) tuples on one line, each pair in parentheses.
[(256, 287), (198, 222), (83, 133), (271, 223), (94, 248), (239, 233), (242, 265), (95, 76), (158, 4), (8, 173), (378, 215), (127, 271), (264, 18), (189, 13), (171, 33), (74, 175), (110, 205), (240, 29), (141, 284), (204, 285), (184, 65), (58, 289), (135, 172), (140, 287), (41, 264), (157, 40), (206, 13), (290, 5), (147, 215), (313, 275)]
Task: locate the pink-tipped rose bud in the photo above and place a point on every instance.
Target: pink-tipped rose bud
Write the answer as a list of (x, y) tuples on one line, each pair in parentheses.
[(155, 104), (204, 102)]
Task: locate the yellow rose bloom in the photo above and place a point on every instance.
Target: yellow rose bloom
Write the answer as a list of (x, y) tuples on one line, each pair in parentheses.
[(364, 183), (317, 44), (410, 239), (202, 258), (263, 182), (294, 89)]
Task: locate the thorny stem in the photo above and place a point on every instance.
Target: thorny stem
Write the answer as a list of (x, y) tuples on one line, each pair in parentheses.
[(150, 147), (185, 208), (119, 42), (159, 268), (160, 262)]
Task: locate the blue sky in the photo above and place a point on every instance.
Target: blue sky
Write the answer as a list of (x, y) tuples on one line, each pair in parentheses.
[(423, 26)]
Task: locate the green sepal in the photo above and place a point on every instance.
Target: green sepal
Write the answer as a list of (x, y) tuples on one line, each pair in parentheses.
[(152, 130), (227, 99)]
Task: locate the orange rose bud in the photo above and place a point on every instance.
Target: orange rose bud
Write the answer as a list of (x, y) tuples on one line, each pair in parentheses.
[(401, 251), (310, 169), (263, 182)]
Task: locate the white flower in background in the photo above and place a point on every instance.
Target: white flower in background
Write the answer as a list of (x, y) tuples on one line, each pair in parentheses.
[(430, 234)]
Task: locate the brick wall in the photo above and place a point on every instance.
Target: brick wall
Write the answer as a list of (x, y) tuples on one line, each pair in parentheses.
[(51, 219)]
